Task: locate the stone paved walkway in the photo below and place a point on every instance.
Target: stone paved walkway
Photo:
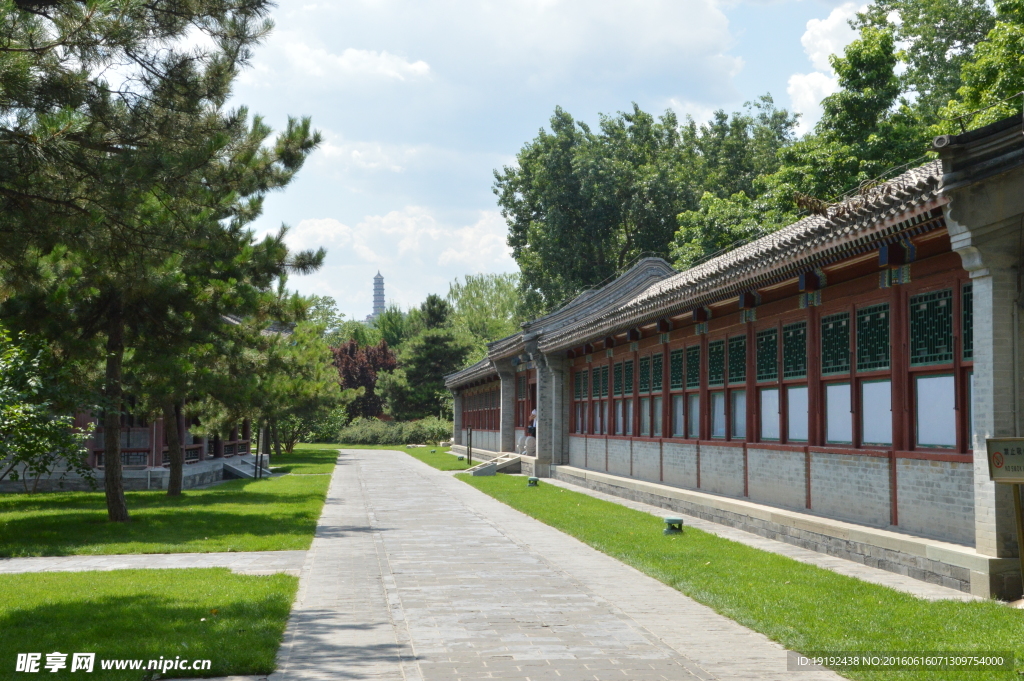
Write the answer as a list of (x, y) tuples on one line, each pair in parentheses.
[(246, 563), (414, 575), (914, 587)]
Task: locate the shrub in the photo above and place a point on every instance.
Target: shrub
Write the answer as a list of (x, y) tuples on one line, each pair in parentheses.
[(373, 432)]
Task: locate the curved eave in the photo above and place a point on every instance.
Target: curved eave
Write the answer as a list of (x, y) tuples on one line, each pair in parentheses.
[(475, 373), (813, 241)]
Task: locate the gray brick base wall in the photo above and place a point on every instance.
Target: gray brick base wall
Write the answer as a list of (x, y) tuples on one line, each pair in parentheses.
[(618, 457), (578, 451), (851, 487), (194, 475), (777, 478), (915, 566), (680, 464), (647, 460), (721, 470), (927, 490)]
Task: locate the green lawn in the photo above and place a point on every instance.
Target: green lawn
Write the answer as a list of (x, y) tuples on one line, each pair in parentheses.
[(143, 615), (801, 606), (239, 515)]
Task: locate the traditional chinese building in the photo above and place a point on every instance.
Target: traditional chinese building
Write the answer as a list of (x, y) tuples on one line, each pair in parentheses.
[(831, 384)]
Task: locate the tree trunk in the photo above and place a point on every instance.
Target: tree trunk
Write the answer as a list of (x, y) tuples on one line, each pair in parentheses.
[(117, 508), (275, 438), (172, 422)]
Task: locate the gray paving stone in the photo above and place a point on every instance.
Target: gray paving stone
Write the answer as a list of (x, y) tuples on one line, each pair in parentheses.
[(414, 575), (250, 562)]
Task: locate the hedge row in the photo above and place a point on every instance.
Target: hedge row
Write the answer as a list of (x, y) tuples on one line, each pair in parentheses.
[(374, 432)]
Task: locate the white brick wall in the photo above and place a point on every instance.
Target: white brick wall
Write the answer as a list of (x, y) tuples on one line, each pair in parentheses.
[(618, 457), (851, 487), (680, 464), (777, 478), (577, 451), (936, 499), (721, 470), (647, 460)]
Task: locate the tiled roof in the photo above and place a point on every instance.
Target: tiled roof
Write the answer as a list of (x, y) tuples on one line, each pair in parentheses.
[(474, 372), (814, 240), (584, 306)]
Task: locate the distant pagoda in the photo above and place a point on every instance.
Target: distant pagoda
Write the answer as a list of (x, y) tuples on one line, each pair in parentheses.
[(378, 297)]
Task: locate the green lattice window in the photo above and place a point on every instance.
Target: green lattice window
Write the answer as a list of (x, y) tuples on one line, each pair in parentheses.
[(675, 370), (578, 384), (716, 363), (628, 371), (794, 350), (617, 385), (873, 338), (604, 381), (967, 323), (645, 374), (768, 355), (835, 343), (693, 366), (521, 388), (586, 376), (738, 359), (596, 384), (931, 328), (657, 363)]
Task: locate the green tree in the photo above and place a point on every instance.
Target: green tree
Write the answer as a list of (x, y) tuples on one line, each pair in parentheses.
[(486, 307), (436, 311), (416, 388), (37, 436), (864, 131), (583, 205), (721, 224), (994, 78), (936, 39), (108, 192)]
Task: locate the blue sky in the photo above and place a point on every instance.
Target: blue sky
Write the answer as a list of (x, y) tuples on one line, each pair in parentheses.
[(419, 102)]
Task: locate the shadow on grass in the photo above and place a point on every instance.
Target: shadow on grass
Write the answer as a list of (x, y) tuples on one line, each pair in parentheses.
[(250, 515), (244, 620)]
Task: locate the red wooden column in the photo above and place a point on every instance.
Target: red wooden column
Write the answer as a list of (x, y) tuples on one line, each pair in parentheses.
[(815, 401), (705, 392), (899, 366), (752, 398)]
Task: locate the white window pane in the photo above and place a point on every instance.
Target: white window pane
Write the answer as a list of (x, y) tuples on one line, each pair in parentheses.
[(677, 416), (936, 417), (717, 414), (618, 418), (839, 420), (645, 417), (629, 417), (769, 413), (693, 407), (876, 413), (796, 401), (657, 417), (606, 417), (739, 413)]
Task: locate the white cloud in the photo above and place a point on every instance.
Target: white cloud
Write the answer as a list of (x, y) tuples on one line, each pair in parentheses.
[(340, 154), (480, 245), (405, 245), (318, 63), (701, 113), (822, 39), (806, 90), (825, 37)]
